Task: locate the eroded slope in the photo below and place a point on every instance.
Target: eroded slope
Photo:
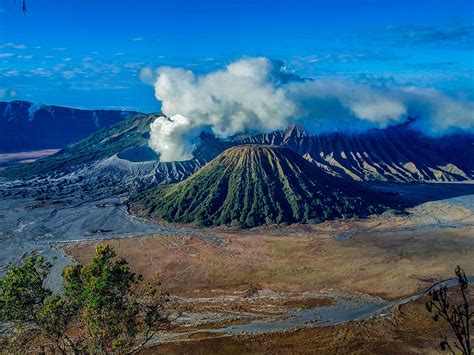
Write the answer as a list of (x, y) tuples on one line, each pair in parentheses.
[(253, 185)]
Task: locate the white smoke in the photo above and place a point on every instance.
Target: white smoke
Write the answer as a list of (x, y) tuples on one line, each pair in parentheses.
[(172, 138), (256, 95)]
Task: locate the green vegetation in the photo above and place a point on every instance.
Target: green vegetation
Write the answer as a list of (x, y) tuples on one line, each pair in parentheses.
[(102, 144), (247, 186), (103, 308)]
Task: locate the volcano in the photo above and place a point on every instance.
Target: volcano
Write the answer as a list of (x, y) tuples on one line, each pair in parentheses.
[(252, 185)]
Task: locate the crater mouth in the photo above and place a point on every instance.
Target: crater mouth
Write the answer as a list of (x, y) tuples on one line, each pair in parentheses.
[(142, 153)]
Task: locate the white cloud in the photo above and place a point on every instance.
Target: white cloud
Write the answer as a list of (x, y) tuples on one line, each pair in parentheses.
[(68, 74), (12, 45), (137, 39), (59, 67), (257, 94), (42, 72), (11, 73), (133, 65), (29, 56), (6, 93), (7, 55), (147, 75)]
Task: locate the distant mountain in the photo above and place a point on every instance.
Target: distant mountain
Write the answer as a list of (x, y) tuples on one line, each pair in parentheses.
[(27, 126), (103, 144), (399, 153), (119, 155), (396, 153), (254, 185)]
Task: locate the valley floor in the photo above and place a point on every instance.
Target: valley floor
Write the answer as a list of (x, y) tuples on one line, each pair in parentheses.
[(347, 286), (25, 156), (237, 287), (408, 330)]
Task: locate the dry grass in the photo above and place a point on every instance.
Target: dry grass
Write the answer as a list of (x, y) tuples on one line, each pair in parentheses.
[(388, 256), (388, 264)]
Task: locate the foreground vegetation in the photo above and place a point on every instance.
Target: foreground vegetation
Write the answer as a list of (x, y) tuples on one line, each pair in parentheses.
[(103, 308), (457, 314)]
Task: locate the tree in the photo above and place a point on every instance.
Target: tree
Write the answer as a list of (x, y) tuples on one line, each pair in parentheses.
[(104, 307), (458, 316), (21, 290), (22, 296)]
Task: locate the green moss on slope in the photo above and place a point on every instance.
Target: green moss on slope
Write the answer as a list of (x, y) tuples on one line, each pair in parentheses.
[(250, 185)]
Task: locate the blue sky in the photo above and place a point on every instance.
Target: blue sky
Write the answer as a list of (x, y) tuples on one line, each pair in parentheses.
[(88, 53)]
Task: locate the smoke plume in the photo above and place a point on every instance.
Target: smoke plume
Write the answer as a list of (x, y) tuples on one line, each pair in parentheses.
[(260, 95)]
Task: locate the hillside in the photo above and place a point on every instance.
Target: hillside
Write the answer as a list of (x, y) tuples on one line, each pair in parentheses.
[(396, 153), (28, 126), (118, 157), (254, 185), (102, 144)]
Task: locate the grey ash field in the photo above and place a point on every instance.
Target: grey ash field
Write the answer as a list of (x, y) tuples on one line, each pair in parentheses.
[(328, 274)]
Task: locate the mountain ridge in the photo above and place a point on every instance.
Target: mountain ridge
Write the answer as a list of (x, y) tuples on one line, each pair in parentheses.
[(394, 154), (28, 126), (397, 153)]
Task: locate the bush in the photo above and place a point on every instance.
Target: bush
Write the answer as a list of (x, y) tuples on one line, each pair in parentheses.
[(458, 316), (104, 308)]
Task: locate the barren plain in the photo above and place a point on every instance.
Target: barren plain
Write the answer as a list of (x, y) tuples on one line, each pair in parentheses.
[(348, 285)]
